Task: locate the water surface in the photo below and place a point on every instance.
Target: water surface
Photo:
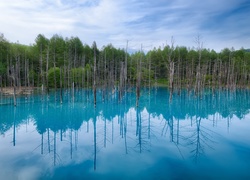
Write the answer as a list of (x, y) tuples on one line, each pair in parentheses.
[(187, 138)]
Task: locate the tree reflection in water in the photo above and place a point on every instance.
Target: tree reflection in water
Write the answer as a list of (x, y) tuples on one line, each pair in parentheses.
[(185, 119)]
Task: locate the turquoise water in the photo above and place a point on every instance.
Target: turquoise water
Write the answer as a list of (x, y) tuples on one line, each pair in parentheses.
[(188, 138)]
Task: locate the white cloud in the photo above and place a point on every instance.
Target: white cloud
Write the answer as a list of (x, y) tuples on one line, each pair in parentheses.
[(144, 22)]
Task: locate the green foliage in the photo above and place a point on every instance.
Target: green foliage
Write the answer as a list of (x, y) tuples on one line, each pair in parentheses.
[(162, 82), (4, 47), (77, 75), (146, 75), (54, 74), (87, 53), (76, 62), (225, 55), (2, 69), (57, 50), (33, 77), (41, 43), (208, 78)]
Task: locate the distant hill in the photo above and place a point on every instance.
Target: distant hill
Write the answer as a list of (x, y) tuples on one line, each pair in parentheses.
[(247, 50)]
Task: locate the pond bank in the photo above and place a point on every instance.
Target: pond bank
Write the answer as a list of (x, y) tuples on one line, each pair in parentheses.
[(19, 90)]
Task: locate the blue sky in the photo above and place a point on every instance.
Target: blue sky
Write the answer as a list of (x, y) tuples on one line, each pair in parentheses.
[(152, 23)]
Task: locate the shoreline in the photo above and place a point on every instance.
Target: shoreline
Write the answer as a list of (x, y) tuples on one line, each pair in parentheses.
[(7, 91)]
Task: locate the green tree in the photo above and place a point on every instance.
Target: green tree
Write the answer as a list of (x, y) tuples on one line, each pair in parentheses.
[(54, 72)]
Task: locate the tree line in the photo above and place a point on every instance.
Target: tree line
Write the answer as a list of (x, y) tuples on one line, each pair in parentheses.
[(67, 62)]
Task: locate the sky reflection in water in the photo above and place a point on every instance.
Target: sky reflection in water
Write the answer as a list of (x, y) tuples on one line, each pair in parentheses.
[(189, 138)]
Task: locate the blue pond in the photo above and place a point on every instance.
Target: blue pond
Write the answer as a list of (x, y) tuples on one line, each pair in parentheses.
[(188, 138)]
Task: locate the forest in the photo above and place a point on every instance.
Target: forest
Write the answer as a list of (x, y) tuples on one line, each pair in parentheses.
[(61, 62)]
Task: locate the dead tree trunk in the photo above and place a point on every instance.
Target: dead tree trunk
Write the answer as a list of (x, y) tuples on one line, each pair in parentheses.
[(229, 71), (55, 75), (203, 75), (1, 83), (198, 70), (94, 75), (219, 75), (83, 74), (138, 80), (178, 73), (61, 99), (171, 79), (25, 70), (64, 71), (126, 69), (41, 67), (17, 72), (122, 81), (233, 78), (104, 77), (149, 74), (12, 73), (47, 69), (171, 70), (28, 76), (214, 75)]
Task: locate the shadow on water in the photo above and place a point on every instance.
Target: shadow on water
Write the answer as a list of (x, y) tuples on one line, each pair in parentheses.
[(188, 122)]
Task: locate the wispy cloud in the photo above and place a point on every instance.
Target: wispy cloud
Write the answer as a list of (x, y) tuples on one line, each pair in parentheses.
[(151, 23)]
